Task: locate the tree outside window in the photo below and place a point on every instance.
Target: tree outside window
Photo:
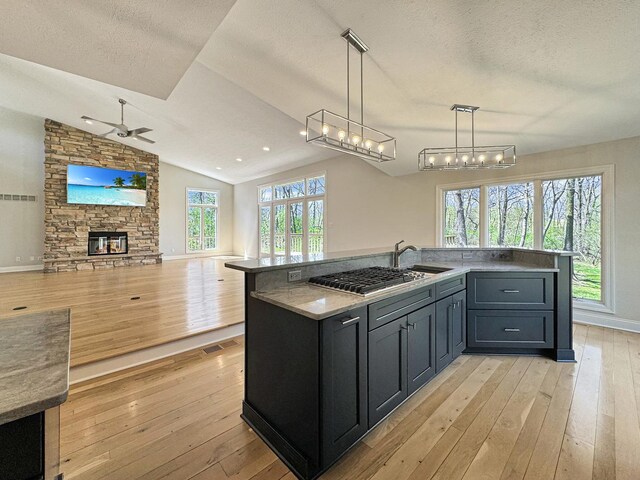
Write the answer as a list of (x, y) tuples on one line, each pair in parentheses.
[(202, 220)]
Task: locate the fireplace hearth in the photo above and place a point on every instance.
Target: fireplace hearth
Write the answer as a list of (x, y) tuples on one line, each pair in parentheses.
[(108, 243)]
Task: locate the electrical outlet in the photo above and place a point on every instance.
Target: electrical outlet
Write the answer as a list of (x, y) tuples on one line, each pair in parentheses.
[(18, 259), (295, 275)]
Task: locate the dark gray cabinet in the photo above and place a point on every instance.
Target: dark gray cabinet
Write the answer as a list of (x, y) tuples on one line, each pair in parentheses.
[(510, 329), (511, 312), (401, 360), (421, 355), (450, 335), (22, 448), (344, 383), (387, 368), (511, 290)]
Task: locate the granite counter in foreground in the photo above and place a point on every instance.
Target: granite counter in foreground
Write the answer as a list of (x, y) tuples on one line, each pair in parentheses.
[(34, 363)]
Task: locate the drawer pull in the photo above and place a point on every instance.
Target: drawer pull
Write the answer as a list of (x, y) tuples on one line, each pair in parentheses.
[(511, 291), (350, 320), (511, 329), (413, 325)]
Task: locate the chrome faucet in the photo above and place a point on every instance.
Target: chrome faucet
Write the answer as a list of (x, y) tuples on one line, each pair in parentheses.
[(397, 253)]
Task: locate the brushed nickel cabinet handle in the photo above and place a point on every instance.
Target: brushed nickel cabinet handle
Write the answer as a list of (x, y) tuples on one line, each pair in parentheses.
[(511, 329), (511, 291), (350, 320), (413, 325)]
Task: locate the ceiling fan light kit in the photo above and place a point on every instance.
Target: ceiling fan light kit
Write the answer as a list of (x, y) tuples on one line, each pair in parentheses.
[(330, 130), (466, 158), (120, 129)]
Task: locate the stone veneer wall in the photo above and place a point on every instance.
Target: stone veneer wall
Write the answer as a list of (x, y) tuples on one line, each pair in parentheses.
[(67, 226)]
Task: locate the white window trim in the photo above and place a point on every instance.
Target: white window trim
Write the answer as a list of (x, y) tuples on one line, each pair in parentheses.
[(606, 221), (186, 218), (304, 199)]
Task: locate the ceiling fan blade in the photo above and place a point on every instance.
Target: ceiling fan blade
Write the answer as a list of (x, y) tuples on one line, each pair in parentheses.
[(138, 137), (115, 125), (138, 131), (110, 132)]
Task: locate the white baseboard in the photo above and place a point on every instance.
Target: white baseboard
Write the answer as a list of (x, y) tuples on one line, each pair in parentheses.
[(21, 268), (604, 320), (193, 255), (128, 360)]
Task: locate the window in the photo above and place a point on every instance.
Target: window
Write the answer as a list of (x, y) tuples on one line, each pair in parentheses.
[(561, 211), (572, 221), (291, 217), (511, 215), (462, 218), (202, 220)]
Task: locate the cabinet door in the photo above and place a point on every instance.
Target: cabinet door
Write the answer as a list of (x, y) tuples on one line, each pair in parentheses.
[(421, 357), (387, 368), (344, 382), (444, 333), (459, 320)]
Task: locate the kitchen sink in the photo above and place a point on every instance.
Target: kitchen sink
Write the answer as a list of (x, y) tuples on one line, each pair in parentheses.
[(429, 269)]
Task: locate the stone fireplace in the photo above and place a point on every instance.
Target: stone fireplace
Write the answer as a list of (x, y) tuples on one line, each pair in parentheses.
[(129, 235)]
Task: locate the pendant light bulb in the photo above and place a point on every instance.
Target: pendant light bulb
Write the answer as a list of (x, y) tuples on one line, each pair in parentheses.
[(341, 135), (325, 129), (380, 148), (356, 140)]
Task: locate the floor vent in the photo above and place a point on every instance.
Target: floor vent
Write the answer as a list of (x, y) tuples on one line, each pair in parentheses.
[(218, 347)]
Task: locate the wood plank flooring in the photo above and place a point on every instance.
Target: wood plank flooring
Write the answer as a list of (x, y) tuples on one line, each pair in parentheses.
[(177, 299), (482, 418)]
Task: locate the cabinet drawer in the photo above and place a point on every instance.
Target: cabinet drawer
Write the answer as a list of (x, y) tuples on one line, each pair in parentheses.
[(450, 286), (387, 310), (510, 329), (522, 291)]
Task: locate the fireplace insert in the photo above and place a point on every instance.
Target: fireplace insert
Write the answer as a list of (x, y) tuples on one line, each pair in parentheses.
[(108, 243)]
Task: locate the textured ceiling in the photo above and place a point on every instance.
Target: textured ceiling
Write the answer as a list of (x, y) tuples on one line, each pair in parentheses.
[(141, 45), (546, 75)]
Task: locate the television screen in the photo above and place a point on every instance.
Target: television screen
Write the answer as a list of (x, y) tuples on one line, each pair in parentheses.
[(105, 186)]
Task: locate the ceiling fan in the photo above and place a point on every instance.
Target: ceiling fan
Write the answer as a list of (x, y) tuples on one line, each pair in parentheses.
[(121, 129)]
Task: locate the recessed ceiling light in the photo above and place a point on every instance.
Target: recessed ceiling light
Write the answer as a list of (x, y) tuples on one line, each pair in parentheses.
[(266, 149), (86, 120), (303, 132), (238, 159), (218, 168)]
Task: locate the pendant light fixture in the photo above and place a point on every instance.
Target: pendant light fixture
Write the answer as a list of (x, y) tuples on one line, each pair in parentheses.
[(330, 130), (467, 158)]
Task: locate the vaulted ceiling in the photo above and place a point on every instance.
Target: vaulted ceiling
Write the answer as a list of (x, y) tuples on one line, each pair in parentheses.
[(546, 74)]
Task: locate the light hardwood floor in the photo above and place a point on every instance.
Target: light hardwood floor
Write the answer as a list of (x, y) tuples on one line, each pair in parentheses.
[(482, 418), (178, 299)]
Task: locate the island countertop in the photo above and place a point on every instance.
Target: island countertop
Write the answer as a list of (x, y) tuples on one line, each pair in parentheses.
[(281, 262), (319, 303), (34, 363)]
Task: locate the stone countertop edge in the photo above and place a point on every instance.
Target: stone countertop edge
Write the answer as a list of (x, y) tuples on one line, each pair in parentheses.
[(318, 303), (278, 263), (38, 379)]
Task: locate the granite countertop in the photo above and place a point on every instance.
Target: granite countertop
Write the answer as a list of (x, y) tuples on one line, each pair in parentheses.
[(318, 303), (258, 265), (34, 363)]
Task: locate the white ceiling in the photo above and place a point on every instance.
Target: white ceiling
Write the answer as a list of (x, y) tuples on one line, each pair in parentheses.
[(141, 45), (546, 75)]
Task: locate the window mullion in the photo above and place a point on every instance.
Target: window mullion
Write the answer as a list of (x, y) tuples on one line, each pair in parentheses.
[(538, 214), (484, 217)]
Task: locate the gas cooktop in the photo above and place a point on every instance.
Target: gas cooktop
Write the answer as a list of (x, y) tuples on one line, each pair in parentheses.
[(366, 281)]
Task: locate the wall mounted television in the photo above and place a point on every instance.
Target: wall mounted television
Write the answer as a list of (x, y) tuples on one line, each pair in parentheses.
[(105, 186)]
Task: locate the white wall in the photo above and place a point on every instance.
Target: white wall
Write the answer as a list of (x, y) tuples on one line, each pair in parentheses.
[(173, 184), (21, 173), (366, 208)]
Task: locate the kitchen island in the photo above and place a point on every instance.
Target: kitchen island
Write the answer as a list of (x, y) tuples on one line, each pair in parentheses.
[(323, 367), (34, 381)]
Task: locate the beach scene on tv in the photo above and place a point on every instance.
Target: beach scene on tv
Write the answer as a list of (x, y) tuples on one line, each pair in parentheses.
[(106, 186)]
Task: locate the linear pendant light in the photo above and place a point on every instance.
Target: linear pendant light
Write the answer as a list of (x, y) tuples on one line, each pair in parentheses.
[(330, 130), (466, 158)]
